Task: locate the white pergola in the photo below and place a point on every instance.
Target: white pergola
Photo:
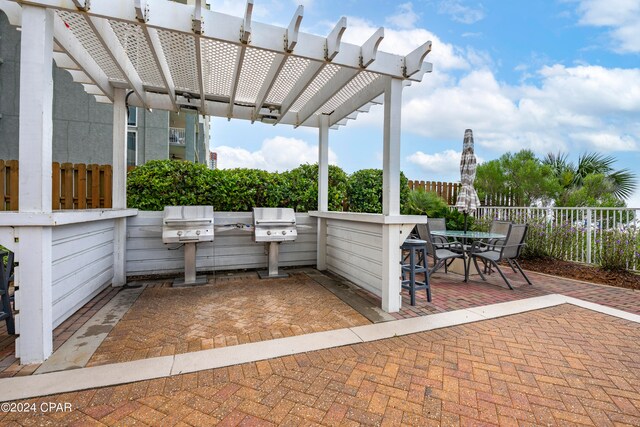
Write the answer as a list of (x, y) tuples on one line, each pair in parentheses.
[(171, 56)]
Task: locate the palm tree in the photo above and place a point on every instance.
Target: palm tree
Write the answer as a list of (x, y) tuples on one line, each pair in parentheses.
[(571, 176)]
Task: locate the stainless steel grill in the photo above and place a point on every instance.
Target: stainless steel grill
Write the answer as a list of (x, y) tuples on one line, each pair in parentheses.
[(273, 226), (188, 225)]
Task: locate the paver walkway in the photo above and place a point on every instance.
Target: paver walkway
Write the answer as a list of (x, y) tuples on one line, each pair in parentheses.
[(548, 367), (451, 293)]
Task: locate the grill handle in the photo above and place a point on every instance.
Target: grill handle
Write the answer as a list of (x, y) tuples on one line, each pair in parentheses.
[(190, 221), (275, 221)]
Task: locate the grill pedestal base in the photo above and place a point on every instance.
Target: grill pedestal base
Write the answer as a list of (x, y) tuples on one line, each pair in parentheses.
[(190, 278), (274, 254), (199, 280)]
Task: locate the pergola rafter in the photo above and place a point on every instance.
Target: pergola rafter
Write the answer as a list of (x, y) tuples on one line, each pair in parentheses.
[(68, 42), (111, 44)]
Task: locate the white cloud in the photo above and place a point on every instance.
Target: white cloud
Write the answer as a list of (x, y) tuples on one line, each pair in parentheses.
[(607, 141), (404, 18), (621, 16), (402, 41), (461, 13), (571, 108), (438, 163), (445, 165), (279, 153), (264, 9)]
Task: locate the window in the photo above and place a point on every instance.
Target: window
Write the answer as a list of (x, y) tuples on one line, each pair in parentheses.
[(132, 148), (132, 116)]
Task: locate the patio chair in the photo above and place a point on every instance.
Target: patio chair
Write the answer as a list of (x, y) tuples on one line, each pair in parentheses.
[(497, 227), (508, 250), (6, 273), (442, 252)]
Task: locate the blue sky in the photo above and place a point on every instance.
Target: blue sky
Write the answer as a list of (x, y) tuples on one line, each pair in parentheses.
[(548, 75)]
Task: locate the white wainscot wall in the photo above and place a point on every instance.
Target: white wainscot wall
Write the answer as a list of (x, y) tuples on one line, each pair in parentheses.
[(354, 251), (230, 250), (82, 265)]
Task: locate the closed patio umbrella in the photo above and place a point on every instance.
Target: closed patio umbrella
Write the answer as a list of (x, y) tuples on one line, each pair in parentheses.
[(467, 201)]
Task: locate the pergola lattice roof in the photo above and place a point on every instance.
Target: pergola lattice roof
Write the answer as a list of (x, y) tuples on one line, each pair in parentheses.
[(175, 56)]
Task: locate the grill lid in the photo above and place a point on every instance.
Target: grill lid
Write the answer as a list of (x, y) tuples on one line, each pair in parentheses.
[(273, 216)]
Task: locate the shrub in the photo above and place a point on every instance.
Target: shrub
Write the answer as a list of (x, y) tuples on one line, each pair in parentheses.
[(617, 249), (420, 202), (364, 191), (161, 183), (238, 190), (303, 187)]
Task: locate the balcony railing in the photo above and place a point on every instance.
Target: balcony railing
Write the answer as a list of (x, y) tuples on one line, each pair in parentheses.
[(176, 136)]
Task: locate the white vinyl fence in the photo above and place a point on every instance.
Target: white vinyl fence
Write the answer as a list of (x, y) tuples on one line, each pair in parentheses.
[(588, 235)]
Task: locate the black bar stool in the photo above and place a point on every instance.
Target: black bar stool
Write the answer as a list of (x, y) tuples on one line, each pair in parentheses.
[(417, 263), (6, 272)]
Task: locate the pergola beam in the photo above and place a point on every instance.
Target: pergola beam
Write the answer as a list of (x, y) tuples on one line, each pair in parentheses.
[(334, 39), (374, 90), (73, 49), (369, 49), (197, 27), (308, 76), (291, 36), (333, 86), (112, 45), (151, 34), (413, 61), (245, 35), (269, 81)]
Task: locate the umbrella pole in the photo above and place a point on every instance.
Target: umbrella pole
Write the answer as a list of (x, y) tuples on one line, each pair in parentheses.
[(465, 223)]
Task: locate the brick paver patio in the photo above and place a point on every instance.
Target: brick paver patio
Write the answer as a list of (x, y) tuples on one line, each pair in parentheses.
[(559, 366), (242, 309), (172, 321)]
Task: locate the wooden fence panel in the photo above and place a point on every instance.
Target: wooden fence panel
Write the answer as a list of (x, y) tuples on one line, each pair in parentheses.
[(447, 190), (67, 185), (55, 191), (3, 191), (78, 186), (107, 187), (95, 186), (13, 184)]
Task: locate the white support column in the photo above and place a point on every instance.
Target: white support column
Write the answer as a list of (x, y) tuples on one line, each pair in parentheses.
[(119, 186), (391, 239), (391, 148), (34, 299), (323, 189)]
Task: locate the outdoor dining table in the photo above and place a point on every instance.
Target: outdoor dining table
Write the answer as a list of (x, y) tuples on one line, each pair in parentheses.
[(468, 237)]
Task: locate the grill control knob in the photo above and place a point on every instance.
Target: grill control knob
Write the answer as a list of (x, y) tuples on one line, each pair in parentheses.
[(269, 233), (179, 233), (284, 232)]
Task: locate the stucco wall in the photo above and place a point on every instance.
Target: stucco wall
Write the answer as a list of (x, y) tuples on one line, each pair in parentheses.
[(82, 131)]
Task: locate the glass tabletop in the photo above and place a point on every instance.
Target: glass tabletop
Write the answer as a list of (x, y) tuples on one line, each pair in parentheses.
[(468, 234)]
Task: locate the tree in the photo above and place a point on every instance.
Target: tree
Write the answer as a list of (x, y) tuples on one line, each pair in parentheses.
[(596, 190), (521, 175), (573, 177)]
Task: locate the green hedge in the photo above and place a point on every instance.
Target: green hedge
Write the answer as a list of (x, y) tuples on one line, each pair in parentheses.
[(364, 191), (161, 183)]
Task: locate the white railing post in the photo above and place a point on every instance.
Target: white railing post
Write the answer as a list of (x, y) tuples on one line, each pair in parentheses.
[(589, 232)]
